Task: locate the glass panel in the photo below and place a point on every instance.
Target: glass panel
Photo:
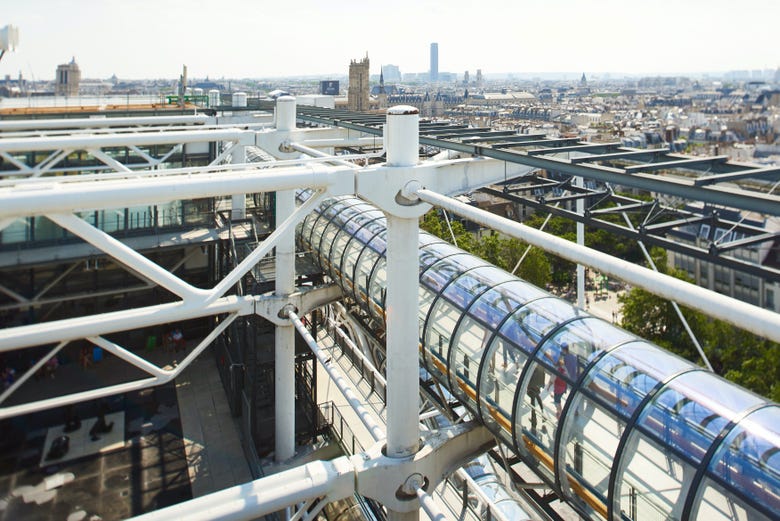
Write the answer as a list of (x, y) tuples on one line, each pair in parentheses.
[(349, 258), (590, 438), (718, 504), (441, 272), (497, 386), (616, 383), (468, 286), (531, 322), (650, 480), (748, 461), (497, 302), (365, 264), (112, 220), (534, 418), (468, 344), (377, 288), (441, 325)]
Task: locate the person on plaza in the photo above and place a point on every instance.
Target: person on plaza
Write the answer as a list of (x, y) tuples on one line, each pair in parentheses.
[(84, 359)]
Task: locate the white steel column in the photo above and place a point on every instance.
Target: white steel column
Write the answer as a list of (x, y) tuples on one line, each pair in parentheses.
[(578, 181), (284, 336), (403, 386), (238, 201)]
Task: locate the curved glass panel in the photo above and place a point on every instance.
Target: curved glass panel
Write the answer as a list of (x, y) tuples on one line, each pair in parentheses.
[(441, 324), (674, 432), (497, 386), (747, 462), (468, 344), (377, 285), (534, 320), (469, 286), (535, 418), (504, 298), (435, 252), (442, 272)]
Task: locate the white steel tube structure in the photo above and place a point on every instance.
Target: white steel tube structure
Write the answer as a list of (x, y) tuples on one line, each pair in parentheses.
[(284, 335), (760, 321), (403, 387)]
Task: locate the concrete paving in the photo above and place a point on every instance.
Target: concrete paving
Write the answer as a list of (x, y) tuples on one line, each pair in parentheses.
[(212, 442)]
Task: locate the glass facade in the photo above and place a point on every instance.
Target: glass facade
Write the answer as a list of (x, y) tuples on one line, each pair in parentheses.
[(619, 427)]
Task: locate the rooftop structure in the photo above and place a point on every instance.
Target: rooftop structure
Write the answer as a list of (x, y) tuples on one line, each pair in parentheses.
[(200, 220)]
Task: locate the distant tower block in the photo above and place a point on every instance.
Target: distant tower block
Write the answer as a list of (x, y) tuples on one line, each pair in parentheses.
[(466, 78), (479, 77), (68, 79), (357, 95), (434, 62)]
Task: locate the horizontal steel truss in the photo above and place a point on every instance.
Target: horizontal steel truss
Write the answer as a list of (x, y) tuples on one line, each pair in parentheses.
[(656, 222), (697, 179), (96, 144)]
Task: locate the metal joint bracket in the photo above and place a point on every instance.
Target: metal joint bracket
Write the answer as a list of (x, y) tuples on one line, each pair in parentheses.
[(394, 481), (274, 308)]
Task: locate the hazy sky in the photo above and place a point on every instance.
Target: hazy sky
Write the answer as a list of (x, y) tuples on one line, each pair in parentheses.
[(261, 38)]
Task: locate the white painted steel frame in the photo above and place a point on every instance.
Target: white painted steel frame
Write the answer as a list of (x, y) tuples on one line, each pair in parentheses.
[(760, 321)]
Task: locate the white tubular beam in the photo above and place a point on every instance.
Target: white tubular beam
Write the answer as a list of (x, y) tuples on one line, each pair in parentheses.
[(103, 324), (287, 227), (23, 168), (429, 506), (108, 160), (316, 153), (760, 321), (261, 497), (367, 141), (374, 429), (129, 357), (578, 181), (31, 371), (201, 346), (402, 372), (403, 388), (495, 513), (127, 256), (238, 201), (284, 336), (363, 358), (65, 197), (53, 124), (61, 401), (85, 142), (285, 113)]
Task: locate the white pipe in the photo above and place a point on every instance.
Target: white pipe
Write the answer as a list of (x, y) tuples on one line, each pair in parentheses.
[(335, 479), (238, 201), (127, 356), (578, 181), (402, 135), (61, 401), (284, 336), (316, 153), (106, 323), (162, 375), (759, 321), (287, 227), (53, 197), (495, 512), (367, 141), (106, 160), (127, 256), (374, 429), (363, 358), (402, 371), (31, 371), (51, 124), (430, 507), (285, 113), (86, 141)]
